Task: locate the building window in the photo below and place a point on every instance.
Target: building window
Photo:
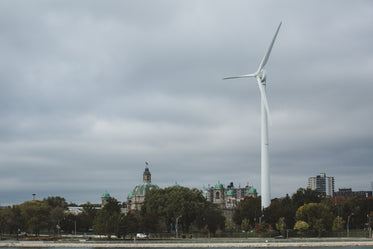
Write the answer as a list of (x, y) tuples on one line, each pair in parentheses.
[(217, 196)]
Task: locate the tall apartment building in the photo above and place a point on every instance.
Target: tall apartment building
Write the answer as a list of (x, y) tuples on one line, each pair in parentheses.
[(322, 183)]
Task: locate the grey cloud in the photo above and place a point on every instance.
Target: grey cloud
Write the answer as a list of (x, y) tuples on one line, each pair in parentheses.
[(89, 91)]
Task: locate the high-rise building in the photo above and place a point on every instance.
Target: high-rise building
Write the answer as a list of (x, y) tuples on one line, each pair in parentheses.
[(322, 183)]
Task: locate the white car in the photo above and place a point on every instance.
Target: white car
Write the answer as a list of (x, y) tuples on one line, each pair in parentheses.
[(141, 236)]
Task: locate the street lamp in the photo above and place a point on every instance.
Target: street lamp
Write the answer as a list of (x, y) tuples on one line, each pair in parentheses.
[(348, 224), (176, 225), (369, 227)]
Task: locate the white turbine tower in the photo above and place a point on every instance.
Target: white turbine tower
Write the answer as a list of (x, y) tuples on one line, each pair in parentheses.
[(261, 78)]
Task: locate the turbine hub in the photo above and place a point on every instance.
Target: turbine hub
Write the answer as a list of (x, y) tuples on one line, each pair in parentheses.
[(262, 76)]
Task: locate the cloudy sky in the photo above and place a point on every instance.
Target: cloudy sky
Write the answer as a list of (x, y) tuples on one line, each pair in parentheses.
[(90, 90)]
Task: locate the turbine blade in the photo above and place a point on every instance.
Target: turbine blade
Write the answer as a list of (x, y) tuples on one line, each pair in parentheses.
[(241, 76), (266, 56), (263, 96)]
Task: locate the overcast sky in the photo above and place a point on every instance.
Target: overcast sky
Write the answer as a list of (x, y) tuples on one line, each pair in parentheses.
[(90, 90)]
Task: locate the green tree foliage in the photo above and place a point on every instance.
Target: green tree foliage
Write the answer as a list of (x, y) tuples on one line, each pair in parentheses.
[(249, 209), (245, 225), (36, 214), (358, 209), (338, 224), (210, 218), (108, 219), (87, 217), (56, 215), (317, 215), (56, 201), (129, 224), (281, 225), (301, 227), (304, 196), (170, 203), (229, 225), (11, 220), (282, 207), (149, 223)]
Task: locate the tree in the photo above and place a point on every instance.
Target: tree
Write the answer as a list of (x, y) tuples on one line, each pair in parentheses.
[(36, 214), (281, 225), (12, 220), (87, 217), (229, 225), (317, 215), (56, 215), (249, 208), (149, 223), (129, 224), (305, 196), (56, 201), (108, 218), (170, 203), (282, 207), (211, 218), (245, 225), (338, 224), (301, 227)]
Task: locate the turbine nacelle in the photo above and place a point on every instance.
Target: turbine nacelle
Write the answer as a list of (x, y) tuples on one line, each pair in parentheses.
[(262, 76)]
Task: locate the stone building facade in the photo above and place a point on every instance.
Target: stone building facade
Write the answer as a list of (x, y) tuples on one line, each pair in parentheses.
[(228, 197)]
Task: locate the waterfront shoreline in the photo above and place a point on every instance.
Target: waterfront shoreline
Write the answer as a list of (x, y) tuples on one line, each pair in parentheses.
[(86, 244)]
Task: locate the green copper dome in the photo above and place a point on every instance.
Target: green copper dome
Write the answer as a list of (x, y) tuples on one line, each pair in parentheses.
[(230, 192), (129, 196), (252, 191), (106, 195), (176, 185), (219, 186), (143, 189)]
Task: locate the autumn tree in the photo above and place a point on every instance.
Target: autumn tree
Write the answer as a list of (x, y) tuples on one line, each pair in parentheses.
[(318, 217), (301, 227), (338, 224), (281, 225)]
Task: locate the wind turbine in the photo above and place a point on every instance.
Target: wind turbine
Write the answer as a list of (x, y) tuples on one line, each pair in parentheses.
[(260, 76)]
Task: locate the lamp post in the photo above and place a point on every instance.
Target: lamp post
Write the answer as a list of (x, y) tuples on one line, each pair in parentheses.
[(348, 224), (369, 227), (177, 225)]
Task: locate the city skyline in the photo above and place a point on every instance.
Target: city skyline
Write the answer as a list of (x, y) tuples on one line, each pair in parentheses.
[(90, 91)]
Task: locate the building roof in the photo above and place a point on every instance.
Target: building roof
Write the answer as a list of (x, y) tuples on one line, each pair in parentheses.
[(176, 185), (219, 186), (106, 195), (252, 191), (143, 189), (230, 192)]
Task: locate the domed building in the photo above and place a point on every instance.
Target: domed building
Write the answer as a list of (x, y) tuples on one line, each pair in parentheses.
[(228, 197), (105, 198), (136, 198)]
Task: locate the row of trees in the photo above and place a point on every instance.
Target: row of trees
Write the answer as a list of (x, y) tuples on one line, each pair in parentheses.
[(181, 209), (307, 212), (164, 210)]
